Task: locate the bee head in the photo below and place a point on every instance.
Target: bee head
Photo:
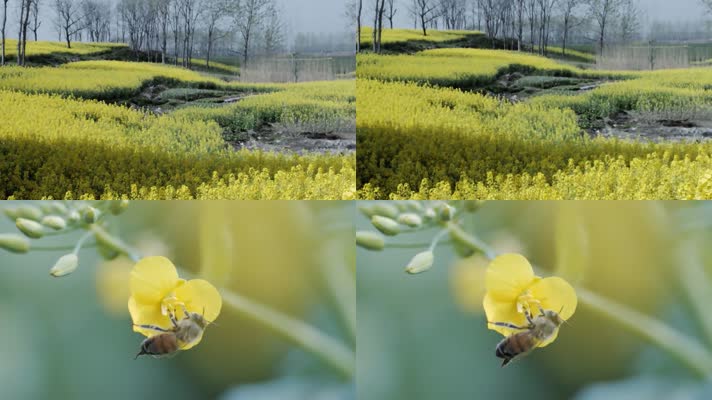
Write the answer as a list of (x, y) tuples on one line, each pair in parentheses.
[(199, 318), (554, 317)]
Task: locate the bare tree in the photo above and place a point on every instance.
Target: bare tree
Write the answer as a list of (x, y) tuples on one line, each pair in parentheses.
[(425, 12), (603, 12), (453, 13), (378, 11), (215, 11), (250, 17), (391, 11), (707, 4), (2, 30), (568, 18), (97, 18), (545, 9), (25, 8), (273, 30), (69, 19), (629, 20), (520, 7), (35, 14), (354, 13), (164, 14)]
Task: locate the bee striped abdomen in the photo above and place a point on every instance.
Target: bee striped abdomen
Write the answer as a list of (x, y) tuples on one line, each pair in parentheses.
[(165, 343), (513, 346)]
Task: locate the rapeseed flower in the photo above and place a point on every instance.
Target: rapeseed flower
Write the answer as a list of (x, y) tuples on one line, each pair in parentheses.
[(513, 290), (157, 292)]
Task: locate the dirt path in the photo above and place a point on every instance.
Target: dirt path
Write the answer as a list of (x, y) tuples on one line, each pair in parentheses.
[(275, 138), (629, 126)]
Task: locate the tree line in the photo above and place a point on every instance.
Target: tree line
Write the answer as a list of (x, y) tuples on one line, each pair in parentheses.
[(165, 30), (519, 24)]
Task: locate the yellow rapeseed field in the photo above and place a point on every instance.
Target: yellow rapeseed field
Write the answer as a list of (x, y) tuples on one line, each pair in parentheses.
[(420, 136), (42, 48)]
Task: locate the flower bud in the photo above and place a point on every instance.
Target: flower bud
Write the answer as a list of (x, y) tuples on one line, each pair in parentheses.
[(420, 262), (11, 212), (73, 217), (14, 243), (370, 240), (29, 212), (410, 219), (385, 209), (65, 265), (31, 229), (446, 212), (90, 215), (472, 205), (54, 222), (414, 205), (119, 206), (54, 208), (386, 225)]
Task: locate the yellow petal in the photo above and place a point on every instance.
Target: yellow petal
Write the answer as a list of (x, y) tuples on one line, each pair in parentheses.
[(508, 276), (152, 278), (199, 296), (498, 311), (147, 315), (555, 294)]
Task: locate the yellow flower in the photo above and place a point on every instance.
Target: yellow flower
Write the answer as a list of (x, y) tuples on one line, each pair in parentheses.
[(513, 289), (157, 291)]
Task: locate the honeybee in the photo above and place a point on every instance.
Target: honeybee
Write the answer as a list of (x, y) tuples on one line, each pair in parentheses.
[(168, 341), (539, 329)]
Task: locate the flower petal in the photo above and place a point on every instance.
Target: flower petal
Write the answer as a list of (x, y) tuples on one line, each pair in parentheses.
[(147, 315), (498, 311), (508, 276), (152, 278), (199, 296), (555, 294)]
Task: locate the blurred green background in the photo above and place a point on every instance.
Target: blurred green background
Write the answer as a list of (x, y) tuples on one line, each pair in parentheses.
[(71, 337), (425, 336)]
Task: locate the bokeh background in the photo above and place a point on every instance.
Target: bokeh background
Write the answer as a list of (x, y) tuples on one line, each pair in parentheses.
[(425, 336), (71, 337)]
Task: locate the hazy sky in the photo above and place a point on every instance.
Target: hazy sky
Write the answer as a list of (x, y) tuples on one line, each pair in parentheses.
[(315, 15), (300, 16)]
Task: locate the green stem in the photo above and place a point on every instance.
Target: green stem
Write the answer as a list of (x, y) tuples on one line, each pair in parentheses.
[(59, 247), (414, 245), (342, 287), (329, 350), (687, 350), (311, 339), (695, 282)]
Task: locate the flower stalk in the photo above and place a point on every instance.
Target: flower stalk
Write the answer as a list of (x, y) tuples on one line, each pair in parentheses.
[(331, 351), (685, 349)]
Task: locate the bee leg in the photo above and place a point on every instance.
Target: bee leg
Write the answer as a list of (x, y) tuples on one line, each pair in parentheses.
[(153, 328), (541, 310), (172, 316), (528, 314), (186, 314), (508, 325)]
